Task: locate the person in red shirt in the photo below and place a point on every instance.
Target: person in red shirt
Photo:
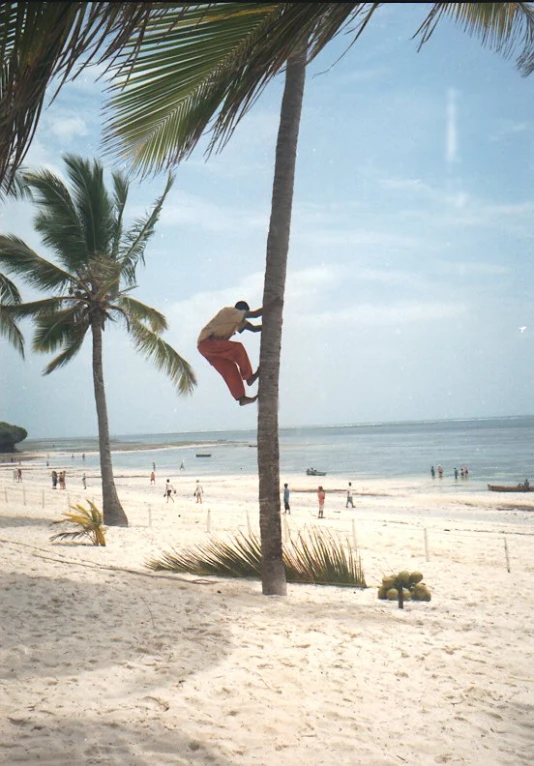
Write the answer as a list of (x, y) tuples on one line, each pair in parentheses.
[(321, 495), (230, 358)]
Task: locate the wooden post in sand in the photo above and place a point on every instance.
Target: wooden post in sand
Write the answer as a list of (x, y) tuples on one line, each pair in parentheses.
[(208, 522), (287, 534), (506, 554), (427, 555)]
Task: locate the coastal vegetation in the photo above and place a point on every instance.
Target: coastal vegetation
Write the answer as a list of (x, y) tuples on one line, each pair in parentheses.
[(83, 224), (180, 69), (87, 522), (314, 556), (11, 435)]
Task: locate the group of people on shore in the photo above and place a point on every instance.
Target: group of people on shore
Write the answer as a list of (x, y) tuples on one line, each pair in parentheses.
[(463, 473), (59, 478), (321, 497)]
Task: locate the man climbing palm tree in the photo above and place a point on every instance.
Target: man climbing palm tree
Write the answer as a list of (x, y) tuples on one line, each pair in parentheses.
[(230, 358)]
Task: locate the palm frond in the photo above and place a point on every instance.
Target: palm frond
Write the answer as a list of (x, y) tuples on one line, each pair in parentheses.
[(163, 356), (94, 209), (66, 327), (57, 220), (503, 27), (34, 308), (143, 313), (120, 197), (10, 330), (42, 41), (134, 241), (212, 58), (18, 258), (316, 556), (9, 292)]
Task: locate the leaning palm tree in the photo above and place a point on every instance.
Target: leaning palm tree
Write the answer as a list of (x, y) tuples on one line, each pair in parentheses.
[(91, 285)]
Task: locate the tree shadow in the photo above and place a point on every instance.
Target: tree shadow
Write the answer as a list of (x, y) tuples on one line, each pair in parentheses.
[(110, 623), (23, 521)]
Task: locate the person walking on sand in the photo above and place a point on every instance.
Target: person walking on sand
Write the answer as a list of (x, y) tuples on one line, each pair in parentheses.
[(152, 477), (62, 480), (169, 490), (321, 496), (287, 508), (230, 358), (199, 492), (54, 479), (350, 499), (84, 481), (19, 474)]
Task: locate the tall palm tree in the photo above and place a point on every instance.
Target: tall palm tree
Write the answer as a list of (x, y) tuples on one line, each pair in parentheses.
[(202, 64), (217, 74), (91, 285)]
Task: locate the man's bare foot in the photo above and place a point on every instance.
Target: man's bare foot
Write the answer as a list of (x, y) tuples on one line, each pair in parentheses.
[(247, 400), (253, 378)]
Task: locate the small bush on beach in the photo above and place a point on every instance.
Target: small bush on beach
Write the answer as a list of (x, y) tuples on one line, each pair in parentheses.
[(404, 586), (315, 556), (87, 522)]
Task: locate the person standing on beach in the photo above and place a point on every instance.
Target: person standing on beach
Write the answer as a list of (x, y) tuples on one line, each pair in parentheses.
[(169, 489), (230, 358), (433, 472), (84, 481), (62, 480), (350, 500), (199, 492), (287, 509), (54, 479), (19, 474), (182, 466), (152, 477), (321, 496)]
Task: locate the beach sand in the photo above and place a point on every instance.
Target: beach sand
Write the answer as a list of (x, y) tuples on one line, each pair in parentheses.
[(105, 662)]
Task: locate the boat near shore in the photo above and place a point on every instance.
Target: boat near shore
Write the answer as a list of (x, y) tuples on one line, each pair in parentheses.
[(314, 472), (507, 488), (203, 454)]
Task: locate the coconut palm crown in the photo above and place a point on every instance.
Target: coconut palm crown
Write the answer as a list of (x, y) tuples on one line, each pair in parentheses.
[(91, 284)]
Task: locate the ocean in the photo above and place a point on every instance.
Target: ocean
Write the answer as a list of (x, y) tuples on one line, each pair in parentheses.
[(498, 450)]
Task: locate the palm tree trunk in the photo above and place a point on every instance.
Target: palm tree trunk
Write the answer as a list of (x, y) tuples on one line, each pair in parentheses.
[(112, 510), (273, 573)]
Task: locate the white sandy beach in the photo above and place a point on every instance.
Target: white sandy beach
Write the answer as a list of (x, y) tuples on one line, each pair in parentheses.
[(105, 662)]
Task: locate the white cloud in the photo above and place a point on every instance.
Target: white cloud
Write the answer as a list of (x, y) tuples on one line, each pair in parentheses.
[(380, 315), (187, 209), (66, 127)]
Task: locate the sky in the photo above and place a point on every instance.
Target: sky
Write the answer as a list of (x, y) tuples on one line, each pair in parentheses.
[(410, 268)]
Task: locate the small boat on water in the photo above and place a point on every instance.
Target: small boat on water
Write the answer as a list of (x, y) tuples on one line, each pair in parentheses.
[(203, 454), (506, 488), (314, 472)]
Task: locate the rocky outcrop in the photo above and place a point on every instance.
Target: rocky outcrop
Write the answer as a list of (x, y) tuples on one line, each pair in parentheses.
[(11, 435)]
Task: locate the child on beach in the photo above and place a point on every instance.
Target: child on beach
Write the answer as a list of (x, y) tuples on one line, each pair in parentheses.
[(198, 493), (321, 496)]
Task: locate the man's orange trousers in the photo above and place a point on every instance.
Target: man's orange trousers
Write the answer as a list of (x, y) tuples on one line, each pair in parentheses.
[(230, 359)]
